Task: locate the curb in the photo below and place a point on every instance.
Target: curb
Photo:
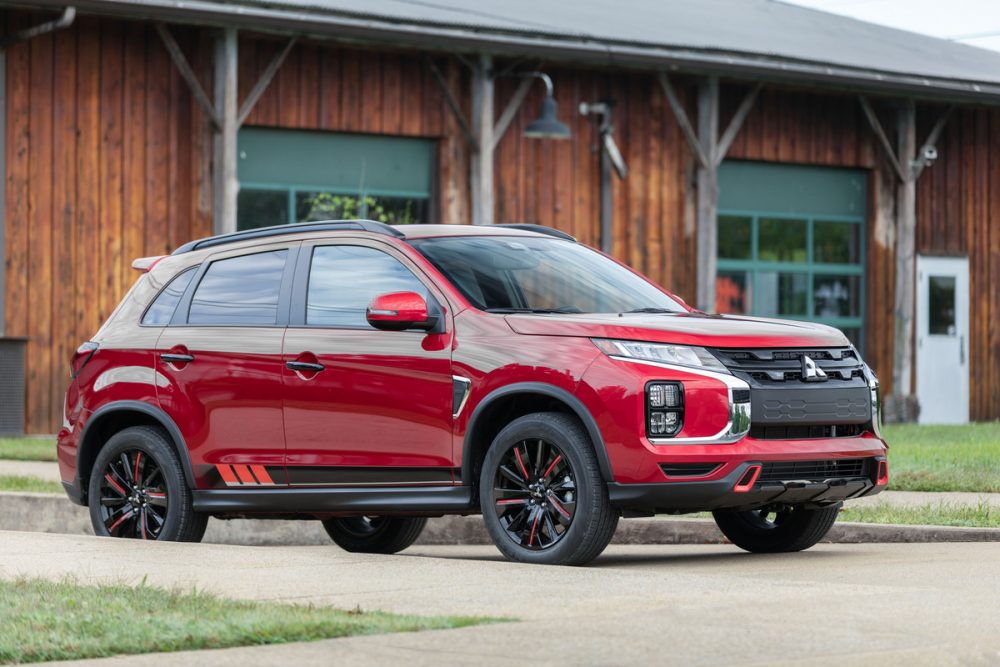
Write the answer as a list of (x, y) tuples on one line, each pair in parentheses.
[(54, 513)]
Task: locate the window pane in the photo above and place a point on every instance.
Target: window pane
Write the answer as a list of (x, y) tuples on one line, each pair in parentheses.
[(240, 290), (344, 279), (781, 293), (836, 296), (836, 242), (782, 240), (735, 237), (941, 305), (311, 206), (732, 292), (261, 208), (162, 308)]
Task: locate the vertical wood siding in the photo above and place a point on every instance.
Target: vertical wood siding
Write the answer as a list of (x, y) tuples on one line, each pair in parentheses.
[(109, 158)]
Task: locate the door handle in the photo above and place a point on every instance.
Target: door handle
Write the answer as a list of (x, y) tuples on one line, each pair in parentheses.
[(961, 350), (304, 366), (172, 358)]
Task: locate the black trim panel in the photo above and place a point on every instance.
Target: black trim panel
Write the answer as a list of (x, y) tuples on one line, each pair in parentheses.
[(398, 500), (344, 475)]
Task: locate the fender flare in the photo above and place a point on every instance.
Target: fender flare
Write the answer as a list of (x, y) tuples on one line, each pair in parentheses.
[(574, 404), (157, 414)]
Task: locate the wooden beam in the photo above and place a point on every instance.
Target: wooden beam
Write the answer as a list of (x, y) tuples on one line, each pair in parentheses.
[(682, 120), (511, 109), (453, 106), (708, 193), (930, 144), (481, 167), (906, 223), (735, 124), (263, 82), (897, 164), (226, 185), (188, 74)]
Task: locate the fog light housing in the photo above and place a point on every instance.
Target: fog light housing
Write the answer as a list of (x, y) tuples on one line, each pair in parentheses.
[(664, 409)]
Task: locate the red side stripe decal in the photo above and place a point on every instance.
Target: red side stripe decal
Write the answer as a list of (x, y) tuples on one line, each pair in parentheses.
[(260, 472), (243, 472), (227, 475)]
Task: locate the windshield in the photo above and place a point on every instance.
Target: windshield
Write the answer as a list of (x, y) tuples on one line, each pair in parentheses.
[(524, 274)]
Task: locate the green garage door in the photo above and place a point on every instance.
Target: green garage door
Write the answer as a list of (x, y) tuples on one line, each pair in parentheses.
[(792, 243), (297, 176)]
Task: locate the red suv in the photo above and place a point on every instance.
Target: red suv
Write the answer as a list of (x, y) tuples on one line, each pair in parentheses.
[(372, 376)]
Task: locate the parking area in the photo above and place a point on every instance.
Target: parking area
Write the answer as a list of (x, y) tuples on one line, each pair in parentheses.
[(886, 603)]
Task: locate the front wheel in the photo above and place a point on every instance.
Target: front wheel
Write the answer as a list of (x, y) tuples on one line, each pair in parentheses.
[(374, 534), (774, 531)]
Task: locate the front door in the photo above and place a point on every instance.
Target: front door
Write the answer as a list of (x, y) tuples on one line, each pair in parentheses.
[(943, 339), (374, 407)]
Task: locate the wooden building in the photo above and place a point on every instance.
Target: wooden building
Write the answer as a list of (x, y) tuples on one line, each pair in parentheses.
[(780, 161)]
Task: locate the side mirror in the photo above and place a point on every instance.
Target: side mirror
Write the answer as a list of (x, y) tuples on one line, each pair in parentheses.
[(398, 311)]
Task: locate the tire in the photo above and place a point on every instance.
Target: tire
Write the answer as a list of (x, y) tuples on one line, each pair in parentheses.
[(554, 508), (375, 535), (761, 531), (155, 504)]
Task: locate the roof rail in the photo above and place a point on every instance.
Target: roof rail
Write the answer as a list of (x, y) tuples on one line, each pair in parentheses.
[(540, 229), (296, 228)]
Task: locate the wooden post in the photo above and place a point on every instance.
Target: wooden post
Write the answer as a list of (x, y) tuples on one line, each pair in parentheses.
[(708, 191), (226, 185), (481, 166), (906, 223)]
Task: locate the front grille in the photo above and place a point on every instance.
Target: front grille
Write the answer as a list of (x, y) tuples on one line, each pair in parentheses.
[(796, 432), (811, 471), (770, 367), (688, 469)]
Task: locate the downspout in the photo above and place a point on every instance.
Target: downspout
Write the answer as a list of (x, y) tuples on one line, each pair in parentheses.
[(64, 21)]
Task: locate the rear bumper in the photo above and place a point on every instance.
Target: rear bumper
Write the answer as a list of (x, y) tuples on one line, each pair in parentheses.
[(720, 494)]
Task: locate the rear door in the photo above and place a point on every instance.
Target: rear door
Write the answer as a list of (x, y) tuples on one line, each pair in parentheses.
[(221, 361), (378, 408)]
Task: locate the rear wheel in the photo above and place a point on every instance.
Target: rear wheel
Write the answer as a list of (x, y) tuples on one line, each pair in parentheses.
[(138, 491), (542, 495), (374, 534), (773, 531)]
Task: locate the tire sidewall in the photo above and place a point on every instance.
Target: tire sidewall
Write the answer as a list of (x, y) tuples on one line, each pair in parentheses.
[(150, 443), (575, 446)]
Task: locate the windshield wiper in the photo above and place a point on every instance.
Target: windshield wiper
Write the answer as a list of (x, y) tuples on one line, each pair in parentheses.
[(648, 310), (533, 310)]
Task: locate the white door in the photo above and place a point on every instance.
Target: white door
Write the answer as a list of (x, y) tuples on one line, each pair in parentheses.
[(943, 339)]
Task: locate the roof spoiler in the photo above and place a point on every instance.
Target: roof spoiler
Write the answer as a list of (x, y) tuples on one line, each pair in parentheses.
[(146, 264)]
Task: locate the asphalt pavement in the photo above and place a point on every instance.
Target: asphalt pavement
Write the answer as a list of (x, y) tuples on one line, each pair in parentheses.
[(913, 604)]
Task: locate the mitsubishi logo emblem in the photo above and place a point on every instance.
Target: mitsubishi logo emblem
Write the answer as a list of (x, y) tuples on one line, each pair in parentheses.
[(811, 372)]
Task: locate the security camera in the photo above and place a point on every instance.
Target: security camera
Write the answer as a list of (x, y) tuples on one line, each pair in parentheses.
[(928, 153)]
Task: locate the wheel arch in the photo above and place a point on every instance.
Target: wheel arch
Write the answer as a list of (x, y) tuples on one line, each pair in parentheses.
[(117, 416), (502, 405)]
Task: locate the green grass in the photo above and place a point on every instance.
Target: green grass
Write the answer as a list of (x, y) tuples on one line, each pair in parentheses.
[(28, 449), (33, 484), (944, 458), (43, 621), (941, 514)]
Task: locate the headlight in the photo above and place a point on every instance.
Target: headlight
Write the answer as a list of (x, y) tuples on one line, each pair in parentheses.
[(679, 355)]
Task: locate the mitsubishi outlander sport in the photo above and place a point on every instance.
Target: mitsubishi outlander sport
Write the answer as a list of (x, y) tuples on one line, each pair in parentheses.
[(370, 376)]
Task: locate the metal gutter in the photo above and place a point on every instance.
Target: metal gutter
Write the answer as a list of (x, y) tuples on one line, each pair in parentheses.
[(581, 49), (65, 20)]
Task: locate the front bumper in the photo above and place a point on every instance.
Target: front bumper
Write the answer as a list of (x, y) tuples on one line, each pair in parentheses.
[(680, 497)]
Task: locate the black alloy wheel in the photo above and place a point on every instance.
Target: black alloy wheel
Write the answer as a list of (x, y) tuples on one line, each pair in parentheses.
[(133, 496), (534, 494)]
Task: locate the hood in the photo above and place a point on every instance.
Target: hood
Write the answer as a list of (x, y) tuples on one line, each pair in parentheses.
[(683, 329)]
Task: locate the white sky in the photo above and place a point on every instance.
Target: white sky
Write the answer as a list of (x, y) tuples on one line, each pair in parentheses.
[(973, 22)]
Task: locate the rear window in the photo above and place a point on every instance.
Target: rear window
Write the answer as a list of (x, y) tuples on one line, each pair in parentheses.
[(240, 290), (162, 309)]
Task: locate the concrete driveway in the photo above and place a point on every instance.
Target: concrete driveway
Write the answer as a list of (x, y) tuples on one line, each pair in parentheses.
[(934, 604)]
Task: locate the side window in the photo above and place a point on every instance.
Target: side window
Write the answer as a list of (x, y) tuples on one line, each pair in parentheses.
[(344, 279), (163, 306), (240, 290)]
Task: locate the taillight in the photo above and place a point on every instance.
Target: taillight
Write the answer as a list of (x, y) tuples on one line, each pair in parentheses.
[(81, 357)]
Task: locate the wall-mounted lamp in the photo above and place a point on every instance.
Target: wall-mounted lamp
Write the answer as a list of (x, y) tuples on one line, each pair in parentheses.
[(547, 125)]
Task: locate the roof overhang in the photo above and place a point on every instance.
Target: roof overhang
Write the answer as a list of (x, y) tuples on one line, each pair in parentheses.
[(342, 27)]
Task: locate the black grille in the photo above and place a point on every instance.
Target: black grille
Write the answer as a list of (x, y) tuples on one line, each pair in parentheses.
[(769, 367), (811, 471), (689, 469), (797, 432)]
